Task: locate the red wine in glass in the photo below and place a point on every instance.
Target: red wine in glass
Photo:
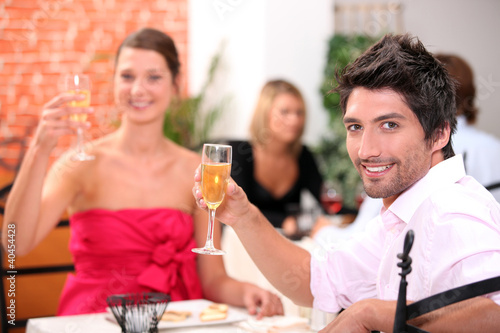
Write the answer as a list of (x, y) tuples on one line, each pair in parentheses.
[(331, 201)]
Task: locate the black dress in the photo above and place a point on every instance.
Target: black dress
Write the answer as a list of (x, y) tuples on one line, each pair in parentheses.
[(275, 209)]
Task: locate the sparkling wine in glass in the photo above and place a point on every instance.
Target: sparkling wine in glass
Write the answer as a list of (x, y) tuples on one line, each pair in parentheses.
[(79, 84), (215, 172)]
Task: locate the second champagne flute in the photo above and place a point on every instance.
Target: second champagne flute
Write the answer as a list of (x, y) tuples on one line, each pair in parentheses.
[(79, 84), (215, 172)]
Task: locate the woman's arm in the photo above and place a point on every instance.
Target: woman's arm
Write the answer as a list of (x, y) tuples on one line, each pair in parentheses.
[(36, 203)]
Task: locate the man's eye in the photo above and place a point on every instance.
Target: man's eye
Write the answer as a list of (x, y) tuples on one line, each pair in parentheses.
[(390, 125), (354, 127)]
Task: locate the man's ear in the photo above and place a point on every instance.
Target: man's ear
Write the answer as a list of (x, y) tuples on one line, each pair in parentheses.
[(441, 137)]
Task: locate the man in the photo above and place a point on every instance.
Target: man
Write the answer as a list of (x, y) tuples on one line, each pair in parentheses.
[(399, 112)]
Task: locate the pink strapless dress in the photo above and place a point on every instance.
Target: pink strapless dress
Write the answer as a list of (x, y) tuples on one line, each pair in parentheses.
[(130, 250)]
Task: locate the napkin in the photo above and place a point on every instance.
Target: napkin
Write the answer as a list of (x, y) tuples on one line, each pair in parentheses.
[(276, 324)]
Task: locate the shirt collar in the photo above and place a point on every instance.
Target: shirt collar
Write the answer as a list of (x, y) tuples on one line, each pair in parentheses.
[(441, 175)]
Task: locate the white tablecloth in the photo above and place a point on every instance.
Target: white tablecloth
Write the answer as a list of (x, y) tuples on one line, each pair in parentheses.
[(97, 323)]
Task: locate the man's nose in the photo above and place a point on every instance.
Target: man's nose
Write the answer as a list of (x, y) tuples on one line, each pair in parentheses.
[(369, 145)]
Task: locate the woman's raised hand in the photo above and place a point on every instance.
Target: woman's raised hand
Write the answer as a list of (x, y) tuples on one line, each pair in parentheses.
[(55, 121)]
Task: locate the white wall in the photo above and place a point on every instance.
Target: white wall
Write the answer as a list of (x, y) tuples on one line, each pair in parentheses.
[(267, 39)]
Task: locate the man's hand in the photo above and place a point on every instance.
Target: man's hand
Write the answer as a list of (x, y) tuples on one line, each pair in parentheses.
[(364, 316), (234, 208)]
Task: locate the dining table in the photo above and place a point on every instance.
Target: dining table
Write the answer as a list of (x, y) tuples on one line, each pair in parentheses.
[(100, 323), (238, 322), (239, 265)]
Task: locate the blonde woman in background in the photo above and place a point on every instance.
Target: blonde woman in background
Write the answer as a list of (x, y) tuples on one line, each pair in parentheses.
[(275, 166)]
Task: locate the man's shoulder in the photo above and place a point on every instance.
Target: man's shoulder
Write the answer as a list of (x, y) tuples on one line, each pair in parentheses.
[(466, 199)]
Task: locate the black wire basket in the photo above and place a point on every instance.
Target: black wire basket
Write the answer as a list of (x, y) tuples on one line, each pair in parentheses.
[(138, 312)]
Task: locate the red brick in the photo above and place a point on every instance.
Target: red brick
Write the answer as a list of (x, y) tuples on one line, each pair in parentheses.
[(34, 41), (16, 13)]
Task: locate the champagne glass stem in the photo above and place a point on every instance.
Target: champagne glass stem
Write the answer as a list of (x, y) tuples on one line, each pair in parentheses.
[(79, 141), (209, 247), (80, 154), (210, 233)]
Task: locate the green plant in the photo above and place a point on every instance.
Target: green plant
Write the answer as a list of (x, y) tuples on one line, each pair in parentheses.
[(332, 153), (186, 122)]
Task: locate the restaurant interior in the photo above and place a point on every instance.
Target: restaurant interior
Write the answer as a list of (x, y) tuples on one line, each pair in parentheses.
[(249, 42)]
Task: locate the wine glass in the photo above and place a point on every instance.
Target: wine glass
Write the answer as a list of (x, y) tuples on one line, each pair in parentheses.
[(79, 84), (331, 199), (215, 172)]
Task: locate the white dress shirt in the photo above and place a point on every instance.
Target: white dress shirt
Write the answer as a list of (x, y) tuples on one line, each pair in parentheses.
[(457, 241)]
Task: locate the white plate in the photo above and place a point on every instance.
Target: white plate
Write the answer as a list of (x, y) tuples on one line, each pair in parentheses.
[(195, 306)]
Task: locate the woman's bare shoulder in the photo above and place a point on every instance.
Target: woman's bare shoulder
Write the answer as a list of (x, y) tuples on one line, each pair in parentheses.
[(188, 158)]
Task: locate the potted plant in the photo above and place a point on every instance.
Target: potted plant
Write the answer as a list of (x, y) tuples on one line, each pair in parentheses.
[(332, 153), (186, 122)]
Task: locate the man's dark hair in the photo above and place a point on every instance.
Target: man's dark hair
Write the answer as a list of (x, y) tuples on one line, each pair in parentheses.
[(401, 63)]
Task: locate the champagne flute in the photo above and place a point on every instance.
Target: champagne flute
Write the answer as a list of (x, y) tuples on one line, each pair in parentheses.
[(215, 172), (79, 84)]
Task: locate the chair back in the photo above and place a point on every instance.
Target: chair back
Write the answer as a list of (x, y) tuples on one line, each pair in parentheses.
[(406, 312), (31, 284)]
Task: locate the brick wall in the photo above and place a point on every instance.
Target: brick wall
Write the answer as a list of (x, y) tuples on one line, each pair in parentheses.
[(42, 39)]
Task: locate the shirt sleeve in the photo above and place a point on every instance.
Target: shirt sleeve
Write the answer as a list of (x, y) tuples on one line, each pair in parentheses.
[(347, 273)]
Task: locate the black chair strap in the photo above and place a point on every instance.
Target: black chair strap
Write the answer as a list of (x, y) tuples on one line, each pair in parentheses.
[(407, 312), (451, 296)]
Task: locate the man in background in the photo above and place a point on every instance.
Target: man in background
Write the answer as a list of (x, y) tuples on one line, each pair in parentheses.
[(480, 150)]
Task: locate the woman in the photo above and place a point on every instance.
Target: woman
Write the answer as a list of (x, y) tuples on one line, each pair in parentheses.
[(133, 218), (274, 167)]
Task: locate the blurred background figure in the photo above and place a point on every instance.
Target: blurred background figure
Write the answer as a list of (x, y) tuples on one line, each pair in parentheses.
[(480, 150), (275, 166)]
